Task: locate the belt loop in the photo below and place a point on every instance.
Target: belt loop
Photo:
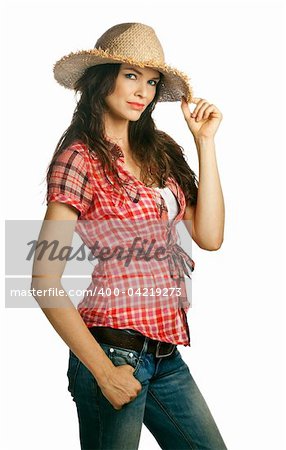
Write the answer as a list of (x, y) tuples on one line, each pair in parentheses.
[(144, 348), (167, 354)]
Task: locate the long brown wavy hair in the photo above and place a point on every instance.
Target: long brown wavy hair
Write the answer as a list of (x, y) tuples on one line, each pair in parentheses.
[(158, 155)]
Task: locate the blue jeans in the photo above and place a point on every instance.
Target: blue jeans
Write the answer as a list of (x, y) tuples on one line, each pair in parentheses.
[(169, 404)]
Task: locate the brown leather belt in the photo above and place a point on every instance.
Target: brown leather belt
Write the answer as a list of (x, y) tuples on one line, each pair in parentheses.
[(131, 339)]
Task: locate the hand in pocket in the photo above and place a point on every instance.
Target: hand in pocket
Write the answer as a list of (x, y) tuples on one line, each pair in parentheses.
[(122, 387)]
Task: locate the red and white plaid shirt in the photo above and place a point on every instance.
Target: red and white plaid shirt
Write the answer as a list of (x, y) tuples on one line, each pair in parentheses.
[(139, 293)]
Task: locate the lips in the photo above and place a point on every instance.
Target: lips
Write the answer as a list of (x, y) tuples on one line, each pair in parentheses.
[(136, 105)]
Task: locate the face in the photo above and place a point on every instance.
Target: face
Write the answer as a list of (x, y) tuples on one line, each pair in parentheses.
[(135, 88)]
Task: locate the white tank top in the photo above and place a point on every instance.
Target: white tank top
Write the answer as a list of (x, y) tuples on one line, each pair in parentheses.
[(171, 201)]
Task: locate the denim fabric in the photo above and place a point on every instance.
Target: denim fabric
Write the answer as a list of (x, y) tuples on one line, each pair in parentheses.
[(170, 405)]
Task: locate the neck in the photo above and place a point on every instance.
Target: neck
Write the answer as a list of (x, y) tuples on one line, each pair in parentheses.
[(117, 130)]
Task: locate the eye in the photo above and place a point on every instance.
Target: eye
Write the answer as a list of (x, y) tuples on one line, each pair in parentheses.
[(132, 74), (129, 75)]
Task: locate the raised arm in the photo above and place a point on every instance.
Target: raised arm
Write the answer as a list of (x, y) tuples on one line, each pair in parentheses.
[(205, 221)]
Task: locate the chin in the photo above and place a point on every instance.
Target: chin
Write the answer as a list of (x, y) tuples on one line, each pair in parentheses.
[(134, 120), (133, 117)]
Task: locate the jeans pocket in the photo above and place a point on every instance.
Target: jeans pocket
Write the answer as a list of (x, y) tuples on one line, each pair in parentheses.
[(120, 356), (72, 371)]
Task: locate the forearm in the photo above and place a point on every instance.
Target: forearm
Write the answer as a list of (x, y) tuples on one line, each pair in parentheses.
[(68, 323), (210, 211)]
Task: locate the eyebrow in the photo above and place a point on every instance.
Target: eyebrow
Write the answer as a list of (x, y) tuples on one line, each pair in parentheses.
[(139, 73)]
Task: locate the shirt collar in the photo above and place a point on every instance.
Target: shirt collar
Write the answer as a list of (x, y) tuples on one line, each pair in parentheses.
[(115, 149)]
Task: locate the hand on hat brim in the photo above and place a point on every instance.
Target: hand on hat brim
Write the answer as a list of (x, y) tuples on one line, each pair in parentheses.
[(204, 121)]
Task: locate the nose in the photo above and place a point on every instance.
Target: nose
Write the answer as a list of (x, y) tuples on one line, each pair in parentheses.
[(141, 89)]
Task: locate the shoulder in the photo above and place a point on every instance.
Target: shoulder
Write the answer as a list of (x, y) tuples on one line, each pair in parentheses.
[(74, 149), (74, 157)]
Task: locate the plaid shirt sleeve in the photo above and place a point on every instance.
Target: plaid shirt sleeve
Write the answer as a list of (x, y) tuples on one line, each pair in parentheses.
[(69, 182)]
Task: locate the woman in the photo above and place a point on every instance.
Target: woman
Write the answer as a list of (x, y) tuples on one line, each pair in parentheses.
[(112, 163)]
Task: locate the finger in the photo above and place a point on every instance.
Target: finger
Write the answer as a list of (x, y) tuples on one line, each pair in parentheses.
[(210, 109), (195, 100), (214, 112), (184, 104), (200, 103), (186, 110), (197, 108), (201, 111), (117, 407)]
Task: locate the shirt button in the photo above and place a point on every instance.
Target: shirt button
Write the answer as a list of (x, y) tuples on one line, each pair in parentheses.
[(131, 355), (111, 350)]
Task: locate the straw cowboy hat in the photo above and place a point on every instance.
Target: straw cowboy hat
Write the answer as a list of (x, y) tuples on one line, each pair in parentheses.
[(133, 43)]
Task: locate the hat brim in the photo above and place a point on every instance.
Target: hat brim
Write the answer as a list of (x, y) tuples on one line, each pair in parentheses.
[(71, 67)]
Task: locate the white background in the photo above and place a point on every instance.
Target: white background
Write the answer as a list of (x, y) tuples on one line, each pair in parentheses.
[(233, 53)]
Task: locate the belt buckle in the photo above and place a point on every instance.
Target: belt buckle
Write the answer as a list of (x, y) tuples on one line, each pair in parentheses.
[(163, 356)]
